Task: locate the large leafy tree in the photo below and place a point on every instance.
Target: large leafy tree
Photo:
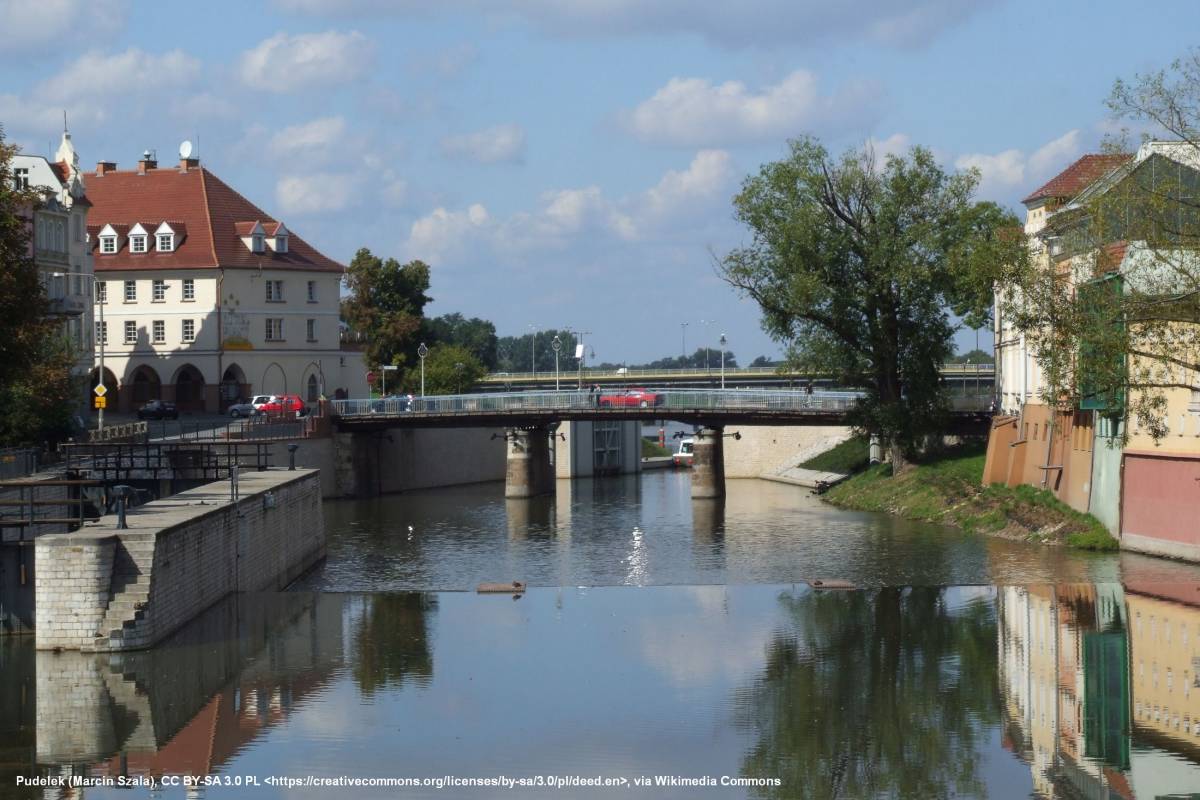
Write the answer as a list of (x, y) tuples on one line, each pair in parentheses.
[(449, 369), (518, 353), (858, 267), (386, 306), (35, 355), (474, 334)]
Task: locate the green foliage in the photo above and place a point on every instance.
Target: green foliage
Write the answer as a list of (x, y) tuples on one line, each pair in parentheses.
[(971, 357), (654, 449), (517, 353), (946, 489), (852, 455), (857, 267), (386, 306), (449, 369), (475, 335), (35, 358)]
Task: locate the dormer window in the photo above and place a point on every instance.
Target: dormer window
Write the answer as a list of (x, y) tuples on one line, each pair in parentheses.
[(278, 239), (281, 244), (252, 235), (164, 236), (137, 244), (108, 244), (256, 242)]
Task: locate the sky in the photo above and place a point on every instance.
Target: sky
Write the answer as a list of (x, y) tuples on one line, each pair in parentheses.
[(569, 163)]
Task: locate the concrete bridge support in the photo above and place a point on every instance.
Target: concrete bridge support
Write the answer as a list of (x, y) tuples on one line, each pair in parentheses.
[(529, 472), (708, 463)]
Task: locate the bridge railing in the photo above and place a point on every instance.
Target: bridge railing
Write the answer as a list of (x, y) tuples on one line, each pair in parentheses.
[(731, 373)]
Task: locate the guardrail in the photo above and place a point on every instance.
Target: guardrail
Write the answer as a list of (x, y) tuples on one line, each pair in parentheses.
[(125, 432), (18, 462), (731, 374), (665, 400)]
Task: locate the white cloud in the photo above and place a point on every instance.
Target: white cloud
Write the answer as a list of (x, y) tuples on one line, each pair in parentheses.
[(695, 112), (895, 145), (500, 143), (317, 192), (443, 234), (313, 140), (285, 63), (1012, 169), (203, 106), (710, 172), (750, 23), (41, 28)]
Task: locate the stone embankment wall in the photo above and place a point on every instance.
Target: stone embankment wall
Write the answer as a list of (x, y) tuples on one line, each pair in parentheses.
[(400, 459), (774, 449), (104, 589)]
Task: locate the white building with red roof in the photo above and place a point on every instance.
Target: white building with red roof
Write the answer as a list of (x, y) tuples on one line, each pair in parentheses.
[(207, 298)]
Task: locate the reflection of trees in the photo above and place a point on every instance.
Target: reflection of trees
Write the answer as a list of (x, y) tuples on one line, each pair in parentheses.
[(884, 693), (391, 643)]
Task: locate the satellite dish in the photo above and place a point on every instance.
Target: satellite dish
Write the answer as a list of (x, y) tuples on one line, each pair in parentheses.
[(185, 149)]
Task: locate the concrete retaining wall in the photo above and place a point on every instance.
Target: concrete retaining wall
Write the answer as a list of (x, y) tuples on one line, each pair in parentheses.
[(105, 590), (397, 460), (774, 449)]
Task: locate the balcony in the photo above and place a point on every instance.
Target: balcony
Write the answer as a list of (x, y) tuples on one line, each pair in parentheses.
[(71, 305)]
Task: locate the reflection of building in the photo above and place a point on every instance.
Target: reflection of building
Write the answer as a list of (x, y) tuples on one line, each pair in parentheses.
[(59, 244), (207, 298)]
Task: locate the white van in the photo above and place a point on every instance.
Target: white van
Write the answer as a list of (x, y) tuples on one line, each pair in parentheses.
[(683, 456)]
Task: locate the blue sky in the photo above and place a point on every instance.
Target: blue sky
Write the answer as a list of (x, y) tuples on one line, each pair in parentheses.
[(568, 162)]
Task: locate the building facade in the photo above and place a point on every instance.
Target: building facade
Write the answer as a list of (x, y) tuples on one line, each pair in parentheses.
[(207, 299), (59, 247)]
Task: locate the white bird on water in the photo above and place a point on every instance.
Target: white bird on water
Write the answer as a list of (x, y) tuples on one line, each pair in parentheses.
[(410, 532)]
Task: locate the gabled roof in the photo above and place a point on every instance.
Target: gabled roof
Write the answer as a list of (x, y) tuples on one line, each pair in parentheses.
[(207, 208), (1078, 176)]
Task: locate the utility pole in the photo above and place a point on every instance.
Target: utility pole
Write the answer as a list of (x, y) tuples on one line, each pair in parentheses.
[(581, 354), (682, 343)]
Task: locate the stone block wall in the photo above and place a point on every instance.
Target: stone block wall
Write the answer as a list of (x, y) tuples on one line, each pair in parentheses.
[(772, 449), (183, 554)]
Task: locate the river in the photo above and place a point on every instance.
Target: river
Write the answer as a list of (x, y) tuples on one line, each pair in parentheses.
[(661, 640)]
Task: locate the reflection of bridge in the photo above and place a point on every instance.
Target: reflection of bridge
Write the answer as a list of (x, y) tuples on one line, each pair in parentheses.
[(531, 418)]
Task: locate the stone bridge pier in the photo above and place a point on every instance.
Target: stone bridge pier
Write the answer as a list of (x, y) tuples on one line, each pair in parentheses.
[(708, 463), (529, 472)]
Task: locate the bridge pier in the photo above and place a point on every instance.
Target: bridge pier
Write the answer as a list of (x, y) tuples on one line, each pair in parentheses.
[(528, 472), (708, 463)]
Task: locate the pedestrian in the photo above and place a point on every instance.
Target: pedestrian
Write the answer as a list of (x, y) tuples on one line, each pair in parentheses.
[(596, 394)]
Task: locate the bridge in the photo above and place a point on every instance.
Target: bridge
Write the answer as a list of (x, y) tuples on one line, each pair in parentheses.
[(530, 419), (974, 378)]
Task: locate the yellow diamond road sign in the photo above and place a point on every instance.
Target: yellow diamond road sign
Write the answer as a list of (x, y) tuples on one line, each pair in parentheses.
[(100, 390)]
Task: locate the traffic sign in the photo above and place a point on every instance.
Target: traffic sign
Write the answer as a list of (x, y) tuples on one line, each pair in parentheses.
[(101, 402), (370, 377), (100, 391)]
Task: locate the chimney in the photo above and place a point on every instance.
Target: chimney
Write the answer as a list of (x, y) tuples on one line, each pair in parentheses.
[(188, 163), (147, 163), (105, 167)]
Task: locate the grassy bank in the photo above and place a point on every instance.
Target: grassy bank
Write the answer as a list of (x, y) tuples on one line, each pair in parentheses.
[(946, 489), (848, 457)]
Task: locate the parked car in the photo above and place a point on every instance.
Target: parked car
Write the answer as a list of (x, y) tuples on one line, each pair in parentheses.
[(391, 404), (284, 404), (260, 400), (158, 409), (247, 409), (631, 398)]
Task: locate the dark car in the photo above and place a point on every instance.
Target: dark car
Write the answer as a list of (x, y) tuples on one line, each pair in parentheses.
[(158, 409)]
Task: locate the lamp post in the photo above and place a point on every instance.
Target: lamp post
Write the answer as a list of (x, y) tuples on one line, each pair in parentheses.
[(422, 351), (581, 353), (683, 343), (458, 368), (386, 369), (557, 345), (706, 323), (533, 350), (723, 340), (103, 335)]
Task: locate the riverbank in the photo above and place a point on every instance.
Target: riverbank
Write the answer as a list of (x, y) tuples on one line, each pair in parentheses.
[(947, 489)]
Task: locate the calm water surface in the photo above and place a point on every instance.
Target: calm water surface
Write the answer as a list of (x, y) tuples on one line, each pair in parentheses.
[(662, 639), (647, 531)]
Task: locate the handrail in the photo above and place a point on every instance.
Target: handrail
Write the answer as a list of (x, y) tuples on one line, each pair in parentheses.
[(731, 373)]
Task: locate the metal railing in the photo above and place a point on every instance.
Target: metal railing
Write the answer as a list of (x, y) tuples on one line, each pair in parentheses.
[(18, 462), (731, 373), (665, 400)]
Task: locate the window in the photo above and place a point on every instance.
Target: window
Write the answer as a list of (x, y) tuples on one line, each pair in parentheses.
[(137, 244), (189, 289), (101, 292), (101, 332), (281, 244), (275, 330), (166, 242), (108, 244), (312, 291), (130, 291), (159, 327), (1194, 405), (256, 242), (312, 330), (130, 332), (189, 330), (21, 177), (274, 291), (160, 291)]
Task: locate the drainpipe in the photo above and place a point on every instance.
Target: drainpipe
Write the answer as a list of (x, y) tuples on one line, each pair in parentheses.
[(220, 336)]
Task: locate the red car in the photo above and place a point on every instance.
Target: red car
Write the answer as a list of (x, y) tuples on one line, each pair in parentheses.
[(631, 398), (284, 404)]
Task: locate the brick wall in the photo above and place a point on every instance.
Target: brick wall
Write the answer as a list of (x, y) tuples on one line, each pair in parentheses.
[(71, 587)]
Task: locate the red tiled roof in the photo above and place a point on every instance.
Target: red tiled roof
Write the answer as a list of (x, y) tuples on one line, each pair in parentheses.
[(1077, 177), (209, 211), (244, 228)]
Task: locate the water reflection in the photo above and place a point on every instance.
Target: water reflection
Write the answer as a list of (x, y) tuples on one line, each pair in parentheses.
[(761, 533), (1049, 691)]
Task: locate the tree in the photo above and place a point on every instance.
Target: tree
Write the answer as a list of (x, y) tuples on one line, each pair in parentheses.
[(386, 306), (35, 355), (971, 357), (515, 352), (474, 334), (857, 266), (449, 369)]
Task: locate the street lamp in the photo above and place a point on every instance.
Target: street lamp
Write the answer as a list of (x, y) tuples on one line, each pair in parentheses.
[(723, 340), (533, 350), (458, 368), (706, 323), (557, 345), (103, 335), (683, 343), (386, 369), (422, 351)]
